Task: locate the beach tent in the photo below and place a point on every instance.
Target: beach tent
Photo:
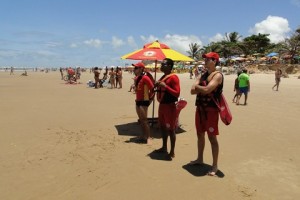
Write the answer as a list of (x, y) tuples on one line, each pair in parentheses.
[(297, 57), (239, 59), (272, 54), (222, 60)]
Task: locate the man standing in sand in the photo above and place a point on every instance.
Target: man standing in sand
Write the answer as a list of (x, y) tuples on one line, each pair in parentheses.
[(207, 114), (278, 75), (144, 93), (119, 77), (236, 87), (168, 91), (97, 77), (112, 79), (11, 71), (61, 73), (244, 86)]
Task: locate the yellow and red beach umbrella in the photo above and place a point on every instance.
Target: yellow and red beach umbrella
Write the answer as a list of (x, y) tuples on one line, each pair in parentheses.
[(156, 51)]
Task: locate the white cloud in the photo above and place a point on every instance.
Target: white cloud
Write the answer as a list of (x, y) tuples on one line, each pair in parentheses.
[(277, 27), (181, 42), (93, 42), (53, 44), (177, 42), (131, 42), (149, 39), (296, 3), (217, 38), (73, 45), (116, 42), (9, 53), (45, 53)]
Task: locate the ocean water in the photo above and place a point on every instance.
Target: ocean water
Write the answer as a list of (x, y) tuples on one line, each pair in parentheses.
[(3, 69)]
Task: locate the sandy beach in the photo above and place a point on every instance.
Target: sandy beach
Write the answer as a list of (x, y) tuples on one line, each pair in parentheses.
[(61, 141)]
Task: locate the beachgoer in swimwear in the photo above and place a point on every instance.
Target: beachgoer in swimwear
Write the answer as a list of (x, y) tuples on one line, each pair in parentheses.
[(144, 92), (278, 75), (96, 77), (61, 73), (236, 88), (112, 75), (119, 78)]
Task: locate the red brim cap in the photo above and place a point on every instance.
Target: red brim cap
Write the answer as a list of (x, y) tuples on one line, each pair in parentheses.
[(139, 64), (211, 55)]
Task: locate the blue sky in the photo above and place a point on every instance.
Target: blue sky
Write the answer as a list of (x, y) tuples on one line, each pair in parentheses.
[(58, 33)]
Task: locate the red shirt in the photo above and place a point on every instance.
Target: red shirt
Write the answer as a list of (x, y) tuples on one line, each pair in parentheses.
[(171, 92), (144, 89), (71, 71)]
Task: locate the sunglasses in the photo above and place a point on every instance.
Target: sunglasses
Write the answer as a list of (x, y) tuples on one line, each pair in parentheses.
[(136, 68)]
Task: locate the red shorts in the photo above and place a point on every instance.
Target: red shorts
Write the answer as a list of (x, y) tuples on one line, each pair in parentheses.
[(167, 115), (206, 120)]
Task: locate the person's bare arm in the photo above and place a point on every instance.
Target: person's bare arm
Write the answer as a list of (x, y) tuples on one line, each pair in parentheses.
[(212, 85), (248, 86), (193, 89)]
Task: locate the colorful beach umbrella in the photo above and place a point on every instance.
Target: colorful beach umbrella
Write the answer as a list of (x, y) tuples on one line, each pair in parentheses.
[(156, 51)]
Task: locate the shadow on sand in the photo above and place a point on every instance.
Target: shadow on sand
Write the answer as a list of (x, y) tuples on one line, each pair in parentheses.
[(201, 170), (134, 129), (154, 155)]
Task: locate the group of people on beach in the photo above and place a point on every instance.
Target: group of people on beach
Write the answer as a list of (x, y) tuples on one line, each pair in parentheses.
[(114, 77), (242, 85), (207, 87), (167, 88), (72, 74)]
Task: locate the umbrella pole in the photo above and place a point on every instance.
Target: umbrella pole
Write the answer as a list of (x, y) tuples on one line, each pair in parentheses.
[(153, 105)]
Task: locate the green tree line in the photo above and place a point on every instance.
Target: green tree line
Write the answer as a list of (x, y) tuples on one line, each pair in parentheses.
[(234, 44)]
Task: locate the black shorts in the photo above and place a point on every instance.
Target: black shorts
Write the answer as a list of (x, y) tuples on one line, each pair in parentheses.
[(142, 103)]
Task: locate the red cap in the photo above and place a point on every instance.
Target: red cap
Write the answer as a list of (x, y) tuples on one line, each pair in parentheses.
[(139, 64), (211, 55)]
